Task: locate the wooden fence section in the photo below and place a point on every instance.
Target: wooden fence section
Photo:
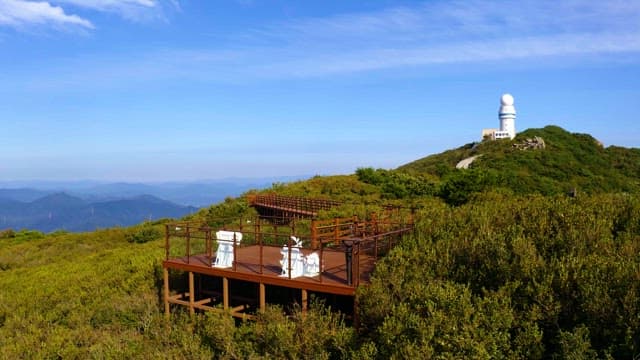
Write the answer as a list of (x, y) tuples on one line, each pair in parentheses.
[(289, 206), (347, 248)]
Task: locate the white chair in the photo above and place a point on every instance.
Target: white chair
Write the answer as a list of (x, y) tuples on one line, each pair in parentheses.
[(224, 254), (297, 259), (312, 264)]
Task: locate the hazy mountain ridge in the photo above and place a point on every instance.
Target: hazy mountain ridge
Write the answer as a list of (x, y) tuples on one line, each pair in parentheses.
[(187, 193), (61, 211)]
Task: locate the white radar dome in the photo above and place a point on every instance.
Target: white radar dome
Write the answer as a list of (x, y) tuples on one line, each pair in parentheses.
[(506, 100)]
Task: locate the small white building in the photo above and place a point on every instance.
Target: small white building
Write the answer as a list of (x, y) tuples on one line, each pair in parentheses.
[(507, 115)]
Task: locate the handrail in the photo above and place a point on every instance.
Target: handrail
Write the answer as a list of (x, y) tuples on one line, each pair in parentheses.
[(373, 239), (292, 203)]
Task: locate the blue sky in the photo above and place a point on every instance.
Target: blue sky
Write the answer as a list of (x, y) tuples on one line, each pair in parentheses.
[(154, 90)]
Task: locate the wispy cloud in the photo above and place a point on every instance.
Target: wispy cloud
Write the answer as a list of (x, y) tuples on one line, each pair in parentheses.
[(431, 33), (135, 10), (451, 23), (434, 33), (20, 14), (449, 32)]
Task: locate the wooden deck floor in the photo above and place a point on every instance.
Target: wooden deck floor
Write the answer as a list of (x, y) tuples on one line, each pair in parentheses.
[(333, 279)]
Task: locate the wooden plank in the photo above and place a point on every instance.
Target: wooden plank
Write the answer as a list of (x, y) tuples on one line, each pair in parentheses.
[(167, 313), (225, 293), (262, 297), (180, 302), (238, 308), (203, 301), (243, 316), (296, 283), (206, 307), (333, 278), (191, 294)]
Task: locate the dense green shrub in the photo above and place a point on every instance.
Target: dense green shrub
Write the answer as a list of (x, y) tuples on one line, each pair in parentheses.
[(143, 233), (460, 186), (7, 234), (398, 185), (552, 276)]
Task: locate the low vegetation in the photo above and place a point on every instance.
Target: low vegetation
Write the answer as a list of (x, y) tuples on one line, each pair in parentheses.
[(492, 271)]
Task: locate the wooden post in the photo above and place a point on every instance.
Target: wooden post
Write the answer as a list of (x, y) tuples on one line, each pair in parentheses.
[(260, 239), (262, 297), (191, 295), (354, 227), (321, 261), (314, 234), (357, 272), (289, 259), (166, 294), (225, 293), (235, 252), (209, 245), (304, 302)]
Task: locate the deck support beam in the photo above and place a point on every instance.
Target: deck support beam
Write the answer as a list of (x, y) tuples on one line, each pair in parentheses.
[(225, 293), (304, 302), (167, 314), (192, 309), (262, 297)]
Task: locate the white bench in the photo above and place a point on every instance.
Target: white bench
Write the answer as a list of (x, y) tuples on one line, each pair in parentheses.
[(300, 265), (224, 254)]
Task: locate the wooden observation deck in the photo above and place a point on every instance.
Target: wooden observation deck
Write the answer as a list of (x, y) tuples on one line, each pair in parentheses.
[(347, 249), (289, 207)]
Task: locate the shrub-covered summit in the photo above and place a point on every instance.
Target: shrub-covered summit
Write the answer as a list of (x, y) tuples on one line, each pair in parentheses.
[(569, 161)]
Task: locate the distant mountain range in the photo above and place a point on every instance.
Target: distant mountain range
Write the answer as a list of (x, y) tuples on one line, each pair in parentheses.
[(61, 211), (194, 193)]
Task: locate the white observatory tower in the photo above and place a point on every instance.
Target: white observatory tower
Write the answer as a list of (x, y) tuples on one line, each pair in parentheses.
[(507, 115)]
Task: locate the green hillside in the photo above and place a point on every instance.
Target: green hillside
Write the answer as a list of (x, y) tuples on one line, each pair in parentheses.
[(569, 161), (496, 268)]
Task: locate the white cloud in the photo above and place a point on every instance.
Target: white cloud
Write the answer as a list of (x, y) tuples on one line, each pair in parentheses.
[(104, 5), (136, 10), (24, 13), (19, 13)]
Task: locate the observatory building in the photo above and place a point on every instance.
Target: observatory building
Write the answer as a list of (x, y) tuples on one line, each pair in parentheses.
[(507, 115)]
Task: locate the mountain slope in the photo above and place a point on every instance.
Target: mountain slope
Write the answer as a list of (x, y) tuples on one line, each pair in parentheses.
[(62, 211), (569, 160), (22, 194)]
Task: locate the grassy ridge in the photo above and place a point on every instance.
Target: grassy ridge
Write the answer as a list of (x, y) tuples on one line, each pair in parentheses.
[(569, 161)]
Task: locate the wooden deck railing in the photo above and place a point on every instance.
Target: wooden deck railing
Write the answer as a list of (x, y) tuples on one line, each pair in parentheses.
[(292, 204), (369, 237)]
